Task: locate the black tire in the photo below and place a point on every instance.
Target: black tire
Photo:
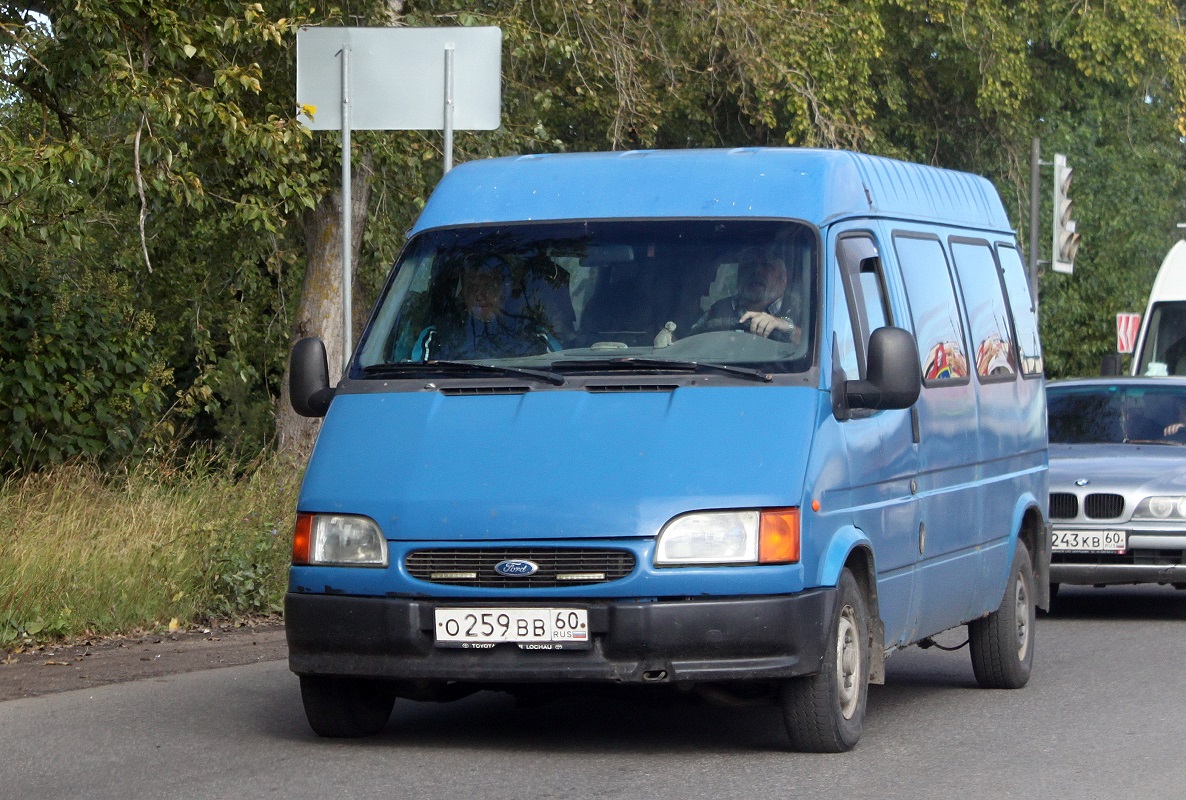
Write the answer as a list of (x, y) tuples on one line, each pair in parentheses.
[(346, 707), (1002, 644), (825, 713)]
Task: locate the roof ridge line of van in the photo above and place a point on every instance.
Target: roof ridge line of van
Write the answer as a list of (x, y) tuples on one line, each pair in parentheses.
[(814, 185)]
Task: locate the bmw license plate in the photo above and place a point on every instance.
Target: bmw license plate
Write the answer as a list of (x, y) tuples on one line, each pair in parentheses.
[(1089, 541), (529, 628)]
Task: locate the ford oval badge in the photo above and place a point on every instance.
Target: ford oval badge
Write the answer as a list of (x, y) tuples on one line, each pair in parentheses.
[(516, 568)]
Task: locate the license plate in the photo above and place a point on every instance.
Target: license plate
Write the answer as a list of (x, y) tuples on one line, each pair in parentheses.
[(1089, 541), (529, 628)]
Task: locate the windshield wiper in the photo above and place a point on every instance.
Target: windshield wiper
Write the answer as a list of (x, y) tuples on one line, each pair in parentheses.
[(458, 368), (632, 363)]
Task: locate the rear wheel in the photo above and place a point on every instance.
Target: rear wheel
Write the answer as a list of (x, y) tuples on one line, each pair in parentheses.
[(346, 707), (1002, 644), (825, 713)]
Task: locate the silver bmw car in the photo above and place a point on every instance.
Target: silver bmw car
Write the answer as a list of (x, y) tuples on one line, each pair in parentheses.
[(1117, 481)]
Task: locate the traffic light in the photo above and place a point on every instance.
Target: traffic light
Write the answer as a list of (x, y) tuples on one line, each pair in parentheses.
[(1066, 240)]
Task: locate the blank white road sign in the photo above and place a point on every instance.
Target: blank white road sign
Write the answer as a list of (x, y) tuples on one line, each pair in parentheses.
[(397, 78)]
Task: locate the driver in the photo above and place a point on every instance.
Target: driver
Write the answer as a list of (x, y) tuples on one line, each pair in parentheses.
[(1176, 430), (757, 306)]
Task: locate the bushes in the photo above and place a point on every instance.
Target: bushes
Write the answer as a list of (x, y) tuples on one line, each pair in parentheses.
[(81, 376)]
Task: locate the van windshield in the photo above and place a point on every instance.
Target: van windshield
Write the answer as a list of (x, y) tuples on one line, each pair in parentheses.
[(553, 295)]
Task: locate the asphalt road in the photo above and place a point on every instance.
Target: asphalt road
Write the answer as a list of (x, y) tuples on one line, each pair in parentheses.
[(1103, 717)]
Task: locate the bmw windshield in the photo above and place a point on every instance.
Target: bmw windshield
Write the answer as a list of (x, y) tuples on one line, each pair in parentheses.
[(739, 296), (1101, 414)]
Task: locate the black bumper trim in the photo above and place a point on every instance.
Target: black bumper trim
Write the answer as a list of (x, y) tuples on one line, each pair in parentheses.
[(1092, 574), (652, 642)]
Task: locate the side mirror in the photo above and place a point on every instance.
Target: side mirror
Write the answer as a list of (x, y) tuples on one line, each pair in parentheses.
[(893, 377), (1111, 365), (308, 379)]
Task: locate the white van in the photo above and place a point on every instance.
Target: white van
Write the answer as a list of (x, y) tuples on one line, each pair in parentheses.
[(1161, 345)]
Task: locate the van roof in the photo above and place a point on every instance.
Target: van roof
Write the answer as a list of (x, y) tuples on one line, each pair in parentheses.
[(817, 186), (1170, 284)]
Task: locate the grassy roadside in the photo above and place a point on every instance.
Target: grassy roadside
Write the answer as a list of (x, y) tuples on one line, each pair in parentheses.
[(84, 553)]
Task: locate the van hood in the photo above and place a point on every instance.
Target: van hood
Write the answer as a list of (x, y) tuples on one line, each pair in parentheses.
[(557, 464)]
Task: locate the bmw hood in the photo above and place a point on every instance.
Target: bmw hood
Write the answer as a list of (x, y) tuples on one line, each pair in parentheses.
[(557, 464), (1119, 467)]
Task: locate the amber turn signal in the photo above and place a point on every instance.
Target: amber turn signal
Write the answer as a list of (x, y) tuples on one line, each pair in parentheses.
[(302, 539), (778, 536)]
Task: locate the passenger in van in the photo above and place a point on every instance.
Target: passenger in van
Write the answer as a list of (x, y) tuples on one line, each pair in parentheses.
[(760, 304), (488, 328)]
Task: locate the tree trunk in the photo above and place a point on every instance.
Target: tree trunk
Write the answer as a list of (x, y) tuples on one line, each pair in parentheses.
[(320, 312)]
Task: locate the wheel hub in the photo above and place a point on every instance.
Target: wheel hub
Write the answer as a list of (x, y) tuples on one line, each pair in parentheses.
[(1022, 617), (848, 662)]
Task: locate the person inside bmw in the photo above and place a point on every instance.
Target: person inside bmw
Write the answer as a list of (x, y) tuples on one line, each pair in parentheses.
[(1176, 431)]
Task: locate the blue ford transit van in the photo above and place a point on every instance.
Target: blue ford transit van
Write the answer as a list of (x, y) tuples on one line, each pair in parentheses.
[(740, 422)]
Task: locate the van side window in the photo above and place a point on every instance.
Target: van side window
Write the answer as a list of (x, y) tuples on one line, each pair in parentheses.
[(864, 288), (937, 324), (846, 344), (1022, 305), (988, 316)]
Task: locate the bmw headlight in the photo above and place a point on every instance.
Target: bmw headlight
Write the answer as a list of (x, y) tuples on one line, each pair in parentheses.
[(1171, 507), (338, 539), (750, 536)]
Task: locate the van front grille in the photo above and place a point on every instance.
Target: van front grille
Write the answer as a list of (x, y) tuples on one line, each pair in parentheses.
[(1104, 506), (1063, 505), (559, 566)]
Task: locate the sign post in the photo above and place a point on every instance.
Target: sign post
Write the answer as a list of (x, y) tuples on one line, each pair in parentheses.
[(347, 214), (395, 79)]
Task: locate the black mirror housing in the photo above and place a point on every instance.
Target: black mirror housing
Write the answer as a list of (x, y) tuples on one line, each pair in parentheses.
[(893, 377), (308, 379)]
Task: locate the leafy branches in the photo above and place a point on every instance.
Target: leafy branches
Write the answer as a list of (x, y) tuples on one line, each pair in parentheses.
[(142, 132)]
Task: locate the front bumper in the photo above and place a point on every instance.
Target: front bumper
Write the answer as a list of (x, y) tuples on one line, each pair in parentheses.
[(1099, 574), (663, 641), (1152, 557)]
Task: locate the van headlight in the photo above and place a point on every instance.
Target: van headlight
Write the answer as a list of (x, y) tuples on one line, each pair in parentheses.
[(338, 539), (750, 536)]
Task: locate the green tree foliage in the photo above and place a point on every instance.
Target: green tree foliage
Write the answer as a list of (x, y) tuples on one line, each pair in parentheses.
[(677, 73), (156, 144), (82, 376)]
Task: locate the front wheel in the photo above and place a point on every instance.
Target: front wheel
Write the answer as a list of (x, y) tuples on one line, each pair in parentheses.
[(825, 713), (1002, 644), (340, 707)]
